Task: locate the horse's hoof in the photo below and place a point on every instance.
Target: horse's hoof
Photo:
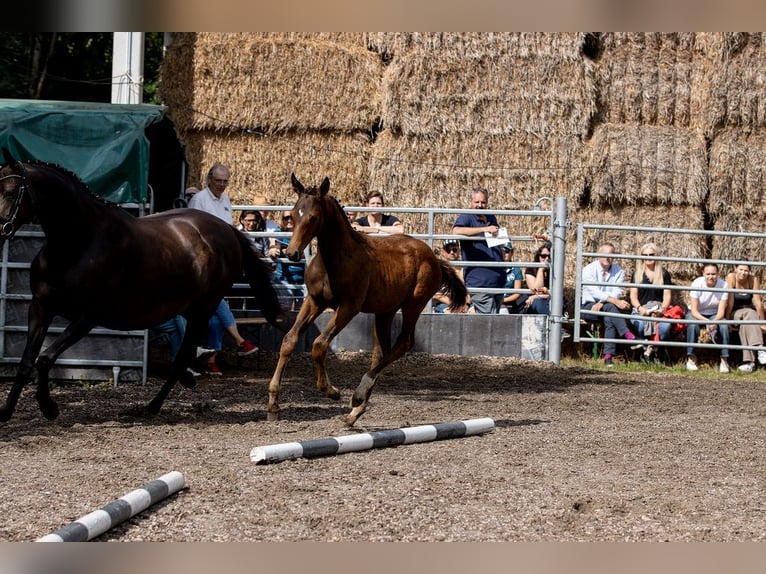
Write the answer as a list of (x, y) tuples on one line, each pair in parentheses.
[(349, 420), (5, 415), (272, 417), (50, 411), (152, 408), (188, 380), (334, 394)]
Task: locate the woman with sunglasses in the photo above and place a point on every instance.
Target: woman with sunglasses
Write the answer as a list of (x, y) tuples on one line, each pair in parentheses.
[(650, 301), (538, 281)]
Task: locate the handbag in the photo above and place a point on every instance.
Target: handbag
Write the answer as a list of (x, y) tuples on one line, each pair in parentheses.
[(675, 312)]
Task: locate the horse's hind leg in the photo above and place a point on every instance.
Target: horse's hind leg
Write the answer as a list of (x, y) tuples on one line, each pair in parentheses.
[(179, 371), (404, 343), (306, 316)]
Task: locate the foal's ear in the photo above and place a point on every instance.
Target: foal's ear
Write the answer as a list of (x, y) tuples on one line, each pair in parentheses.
[(325, 187), (297, 185)]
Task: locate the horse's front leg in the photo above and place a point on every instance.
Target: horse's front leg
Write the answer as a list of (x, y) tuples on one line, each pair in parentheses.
[(310, 310), (321, 346), (75, 331), (38, 325)]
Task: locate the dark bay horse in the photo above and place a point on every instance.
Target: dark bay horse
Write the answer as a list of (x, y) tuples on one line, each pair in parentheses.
[(101, 266), (353, 273)]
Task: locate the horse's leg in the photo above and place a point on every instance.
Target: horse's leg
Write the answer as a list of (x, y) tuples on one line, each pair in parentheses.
[(75, 331), (184, 358), (404, 343), (310, 310), (39, 322), (321, 345), (382, 337)]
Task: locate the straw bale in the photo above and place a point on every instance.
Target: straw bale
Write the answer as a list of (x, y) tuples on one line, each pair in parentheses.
[(649, 78), (431, 93), (645, 165), (176, 80), (479, 44), (736, 81), (738, 247), (273, 85), (261, 166), (630, 242), (440, 171), (358, 39), (738, 174)]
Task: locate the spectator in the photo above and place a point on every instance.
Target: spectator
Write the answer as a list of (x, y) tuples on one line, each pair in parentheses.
[(746, 307), (606, 297), (214, 200), (709, 307), (473, 224), (441, 301), (513, 303), (538, 280), (175, 329), (377, 221), (650, 301), (289, 276), (271, 225), (253, 221)]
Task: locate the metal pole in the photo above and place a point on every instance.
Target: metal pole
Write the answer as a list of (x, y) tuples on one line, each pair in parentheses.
[(557, 280)]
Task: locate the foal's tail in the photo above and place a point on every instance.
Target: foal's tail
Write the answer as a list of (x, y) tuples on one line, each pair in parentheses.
[(456, 289), (258, 274)]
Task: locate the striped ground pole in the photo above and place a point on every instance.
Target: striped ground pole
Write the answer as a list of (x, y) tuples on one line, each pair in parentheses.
[(117, 511), (365, 441)]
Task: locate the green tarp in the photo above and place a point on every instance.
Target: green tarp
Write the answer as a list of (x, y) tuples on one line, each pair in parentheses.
[(104, 144)]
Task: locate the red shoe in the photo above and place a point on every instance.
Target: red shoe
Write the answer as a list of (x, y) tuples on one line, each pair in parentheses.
[(212, 369), (246, 348)]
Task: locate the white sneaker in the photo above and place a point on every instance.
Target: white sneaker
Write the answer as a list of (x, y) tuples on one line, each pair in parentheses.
[(746, 367), (691, 365), (762, 357), (204, 352), (724, 368)]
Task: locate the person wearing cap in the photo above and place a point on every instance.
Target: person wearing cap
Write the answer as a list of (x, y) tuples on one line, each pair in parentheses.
[(513, 302), (441, 301), (481, 226)]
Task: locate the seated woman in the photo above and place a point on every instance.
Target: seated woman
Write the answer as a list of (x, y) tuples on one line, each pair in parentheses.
[(441, 301), (377, 221), (650, 301), (746, 307), (538, 280)]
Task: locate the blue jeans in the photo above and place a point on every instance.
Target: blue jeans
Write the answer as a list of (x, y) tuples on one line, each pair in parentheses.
[(614, 327), (221, 319), (175, 328), (662, 327), (693, 334)]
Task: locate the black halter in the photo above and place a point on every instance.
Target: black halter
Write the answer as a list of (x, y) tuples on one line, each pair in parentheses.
[(7, 231)]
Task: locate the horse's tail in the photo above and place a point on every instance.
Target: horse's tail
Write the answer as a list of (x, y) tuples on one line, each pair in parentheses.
[(456, 289), (258, 274)]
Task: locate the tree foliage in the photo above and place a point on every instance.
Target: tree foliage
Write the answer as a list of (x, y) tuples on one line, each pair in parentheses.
[(69, 66)]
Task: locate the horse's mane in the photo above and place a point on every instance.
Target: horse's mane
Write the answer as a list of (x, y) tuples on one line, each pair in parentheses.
[(77, 180)]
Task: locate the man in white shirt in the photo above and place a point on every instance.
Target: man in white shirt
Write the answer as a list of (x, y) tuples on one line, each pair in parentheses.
[(215, 201), (709, 306), (213, 198), (607, 298)]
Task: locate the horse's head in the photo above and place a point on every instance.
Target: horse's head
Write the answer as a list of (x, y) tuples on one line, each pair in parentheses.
[(309, 215), (15, 207)]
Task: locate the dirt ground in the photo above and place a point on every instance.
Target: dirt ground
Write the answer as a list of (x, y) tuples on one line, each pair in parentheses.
[(577, 454)]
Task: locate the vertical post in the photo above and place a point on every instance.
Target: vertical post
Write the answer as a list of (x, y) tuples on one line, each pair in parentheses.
[(557, 280), (127, 67)]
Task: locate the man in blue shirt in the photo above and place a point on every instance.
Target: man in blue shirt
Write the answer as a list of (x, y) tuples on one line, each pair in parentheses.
[(483, 226)]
